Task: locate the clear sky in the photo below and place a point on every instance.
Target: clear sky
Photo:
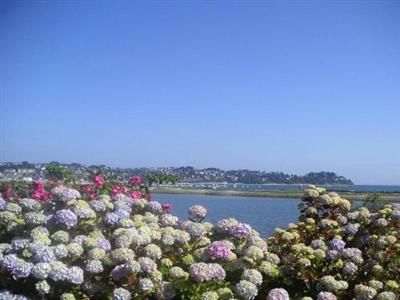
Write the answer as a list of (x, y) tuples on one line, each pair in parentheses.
[(278, 86)]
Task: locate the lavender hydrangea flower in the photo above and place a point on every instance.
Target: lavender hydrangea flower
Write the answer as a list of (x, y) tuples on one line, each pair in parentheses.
[(122, 213), (353, 254), (278, 294), (202, 272), (154, 206), (246, 290), (111, 219), (103, 244), (9, 261), (41, 270), (332, 255), (195, 229), (145, 285), (318, 244), (337, 245), (94, 266), (98, 206), (66, 217), (65, 194), (350, 268), (75, 275), (2, 203), (197, 212), (44, 254), (59, 272), (21, 270), (217, 271), (147, 264), (240, 230), (326, 296), (351, 229), (121, 294), (219, 250), (7, 295), (122, 271), (19, 243)]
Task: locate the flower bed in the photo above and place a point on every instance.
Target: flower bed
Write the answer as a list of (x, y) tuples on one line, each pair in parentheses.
[(98, 242)]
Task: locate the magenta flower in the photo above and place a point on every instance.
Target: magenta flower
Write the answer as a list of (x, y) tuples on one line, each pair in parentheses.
[(136, 195), (136, 180), (167, 207), (116, 190), (8, 194), (98, 181), (86, 188), (39, 192)]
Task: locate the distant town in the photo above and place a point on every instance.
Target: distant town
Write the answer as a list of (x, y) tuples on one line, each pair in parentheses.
[(31, 171)]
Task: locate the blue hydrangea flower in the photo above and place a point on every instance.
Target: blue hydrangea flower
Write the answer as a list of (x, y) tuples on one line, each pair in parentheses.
[(66, 217)]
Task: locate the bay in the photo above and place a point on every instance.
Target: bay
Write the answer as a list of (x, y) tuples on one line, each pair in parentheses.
[(263, 214)]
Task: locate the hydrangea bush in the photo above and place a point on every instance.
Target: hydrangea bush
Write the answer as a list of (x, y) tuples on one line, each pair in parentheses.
[(105, 243)]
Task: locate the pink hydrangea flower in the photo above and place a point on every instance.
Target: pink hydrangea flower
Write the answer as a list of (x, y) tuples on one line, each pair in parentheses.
[(136, 194), (116, 190), (136, 180), (98, 181)]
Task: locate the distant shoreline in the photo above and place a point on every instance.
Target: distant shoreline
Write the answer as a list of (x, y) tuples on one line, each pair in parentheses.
[(297, 194)]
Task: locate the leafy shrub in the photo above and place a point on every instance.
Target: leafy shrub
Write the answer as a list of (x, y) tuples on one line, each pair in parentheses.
[(107, 241)]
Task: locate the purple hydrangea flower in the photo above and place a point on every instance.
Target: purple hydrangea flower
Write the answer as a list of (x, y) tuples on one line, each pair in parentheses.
[(333, 255), (122, 213), (103, 244), (202, 272), (66, 217), (147, 264), (337, 245), (9, 261), (326, 296), (19, 243), (122, 206), (2, 203), (111, 219), (21, 270), (278, 294), (75, 275), (154, 206), (44, 254), (240, 230), (120, 272), (350, 268), (59, 273), (121, 294), (218, 272), (351, 229), (219, 250), (197, 211)]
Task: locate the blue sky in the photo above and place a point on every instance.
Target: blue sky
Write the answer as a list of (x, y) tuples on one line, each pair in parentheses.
[(290, 86)]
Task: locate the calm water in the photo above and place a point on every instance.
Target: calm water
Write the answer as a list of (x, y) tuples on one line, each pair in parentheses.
[(268, 187), (263, 214)]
